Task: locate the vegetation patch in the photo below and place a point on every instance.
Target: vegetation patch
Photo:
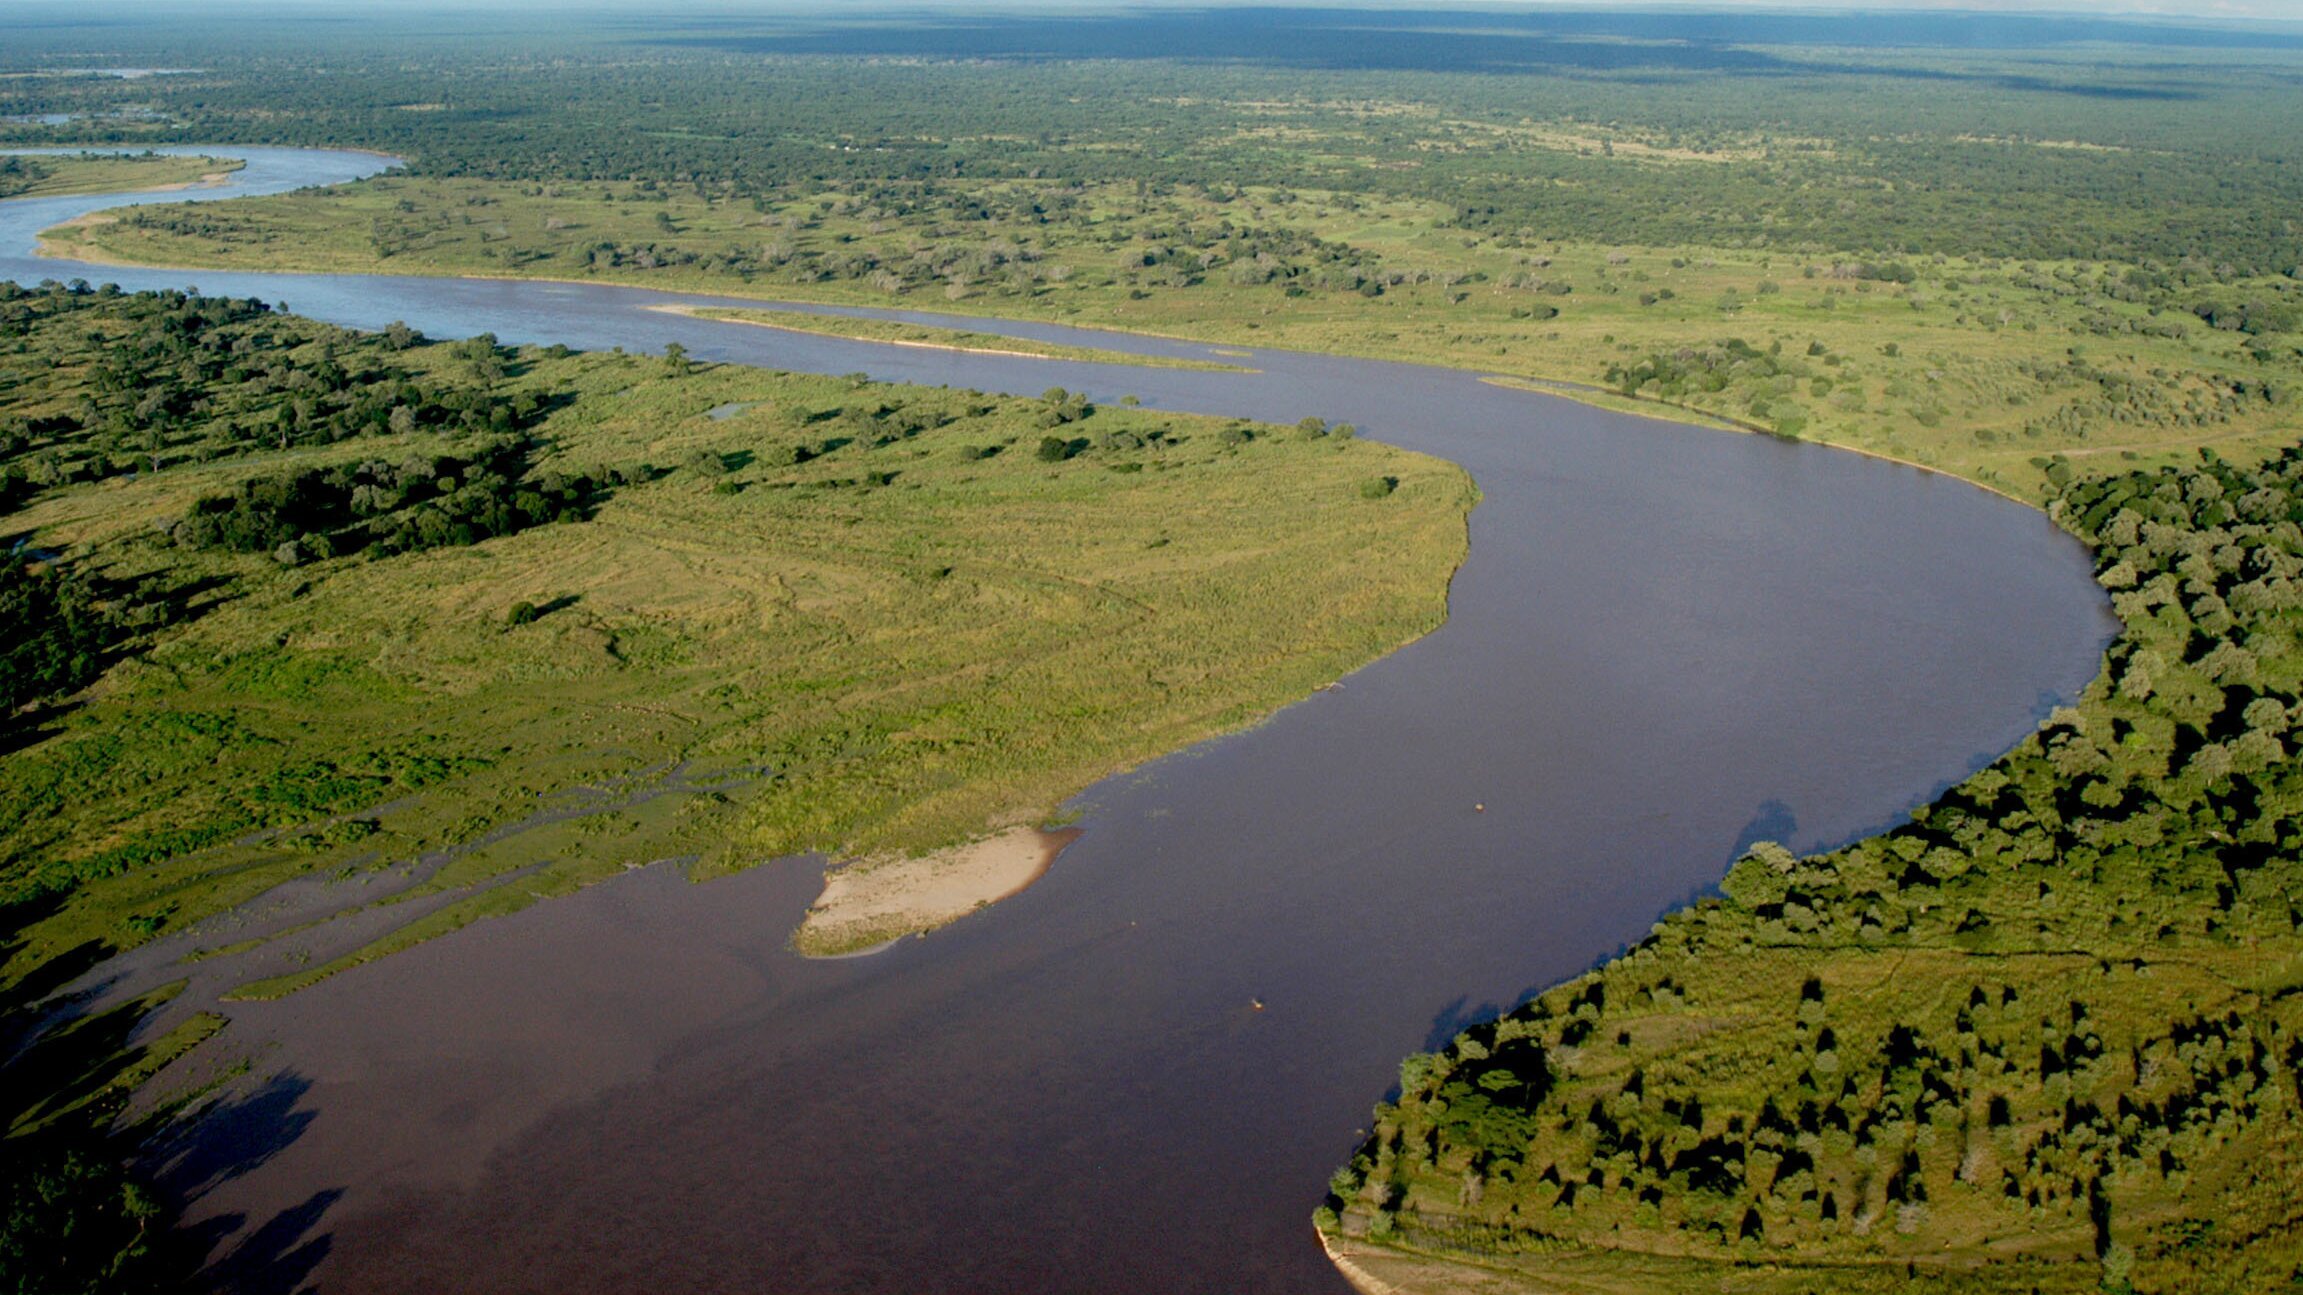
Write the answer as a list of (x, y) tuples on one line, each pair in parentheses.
[(51, 175)]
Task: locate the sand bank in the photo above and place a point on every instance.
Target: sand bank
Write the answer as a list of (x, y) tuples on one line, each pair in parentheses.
[(873, 901)]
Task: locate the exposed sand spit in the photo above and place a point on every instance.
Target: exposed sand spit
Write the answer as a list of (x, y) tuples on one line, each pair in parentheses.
[(874, 901)]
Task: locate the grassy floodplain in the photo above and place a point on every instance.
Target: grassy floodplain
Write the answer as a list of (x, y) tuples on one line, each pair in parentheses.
[(53, 175), (872, 609)]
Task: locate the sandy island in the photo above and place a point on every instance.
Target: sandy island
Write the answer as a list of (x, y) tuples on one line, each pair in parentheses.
[(1087, 354), (691, 312), (874, 901), (208, 180)]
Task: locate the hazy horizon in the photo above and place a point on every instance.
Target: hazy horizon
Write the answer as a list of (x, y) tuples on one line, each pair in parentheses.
[(2281, 11)]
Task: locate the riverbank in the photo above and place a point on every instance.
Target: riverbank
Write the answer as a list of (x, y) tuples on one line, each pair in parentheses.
[(1248, 860), (46, 174), (2026, 1040), (872, 548)]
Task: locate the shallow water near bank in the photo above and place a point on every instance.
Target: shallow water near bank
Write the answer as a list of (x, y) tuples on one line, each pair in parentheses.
[(1666, 642)]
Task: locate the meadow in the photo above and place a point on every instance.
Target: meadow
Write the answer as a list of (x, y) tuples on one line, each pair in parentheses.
[(48, 175), (872, 612)]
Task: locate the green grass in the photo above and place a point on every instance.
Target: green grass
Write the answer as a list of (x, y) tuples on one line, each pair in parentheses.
[(881, 601), (1977, 366), (57, 174)]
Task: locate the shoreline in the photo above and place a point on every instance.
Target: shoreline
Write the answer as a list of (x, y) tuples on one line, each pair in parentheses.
[(1561, 388), (1689, 416)]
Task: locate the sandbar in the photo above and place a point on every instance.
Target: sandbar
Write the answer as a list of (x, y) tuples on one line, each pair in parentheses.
[(874, 901)]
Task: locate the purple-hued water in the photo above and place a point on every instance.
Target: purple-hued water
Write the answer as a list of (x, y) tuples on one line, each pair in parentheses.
[(1665, 643)]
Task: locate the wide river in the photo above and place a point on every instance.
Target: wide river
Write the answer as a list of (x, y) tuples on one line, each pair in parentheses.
[(1666, 642)]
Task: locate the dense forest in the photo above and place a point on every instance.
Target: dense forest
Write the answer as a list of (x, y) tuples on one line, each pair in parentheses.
[(2045, 1034)]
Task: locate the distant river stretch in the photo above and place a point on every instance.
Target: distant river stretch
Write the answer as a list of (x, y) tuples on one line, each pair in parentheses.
[(1666, 642)]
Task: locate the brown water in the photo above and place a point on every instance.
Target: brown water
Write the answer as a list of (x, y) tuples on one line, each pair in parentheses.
[(1666, 642)]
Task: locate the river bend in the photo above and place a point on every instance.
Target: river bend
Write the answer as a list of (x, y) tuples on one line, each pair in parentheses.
[(1665, 643)]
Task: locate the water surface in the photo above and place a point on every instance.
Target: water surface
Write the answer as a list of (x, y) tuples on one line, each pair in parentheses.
[(1666, 642)]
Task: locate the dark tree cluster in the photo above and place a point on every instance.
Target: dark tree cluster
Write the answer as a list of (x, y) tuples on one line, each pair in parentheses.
[(54, 631), (381, 508), (116, 383), (19, 173)]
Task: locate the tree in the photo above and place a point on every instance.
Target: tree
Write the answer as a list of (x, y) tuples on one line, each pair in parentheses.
[(53, 632), (479, 353), (676, 360)]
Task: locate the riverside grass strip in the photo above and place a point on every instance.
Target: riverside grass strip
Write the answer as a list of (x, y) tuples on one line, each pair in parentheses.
[(51, 175), (1981, 366)]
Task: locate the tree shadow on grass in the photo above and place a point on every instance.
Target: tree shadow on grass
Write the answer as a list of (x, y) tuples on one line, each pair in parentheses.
[(155, 606)]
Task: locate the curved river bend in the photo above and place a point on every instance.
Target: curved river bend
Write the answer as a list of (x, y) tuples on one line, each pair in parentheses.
[(1666, 642)]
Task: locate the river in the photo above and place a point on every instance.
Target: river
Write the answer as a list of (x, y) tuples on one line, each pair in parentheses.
[(1666, 642)]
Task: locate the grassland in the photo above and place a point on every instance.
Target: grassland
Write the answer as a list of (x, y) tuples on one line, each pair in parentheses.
[(870, 615), (899, 333), (1984, 367), (53, 175)]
